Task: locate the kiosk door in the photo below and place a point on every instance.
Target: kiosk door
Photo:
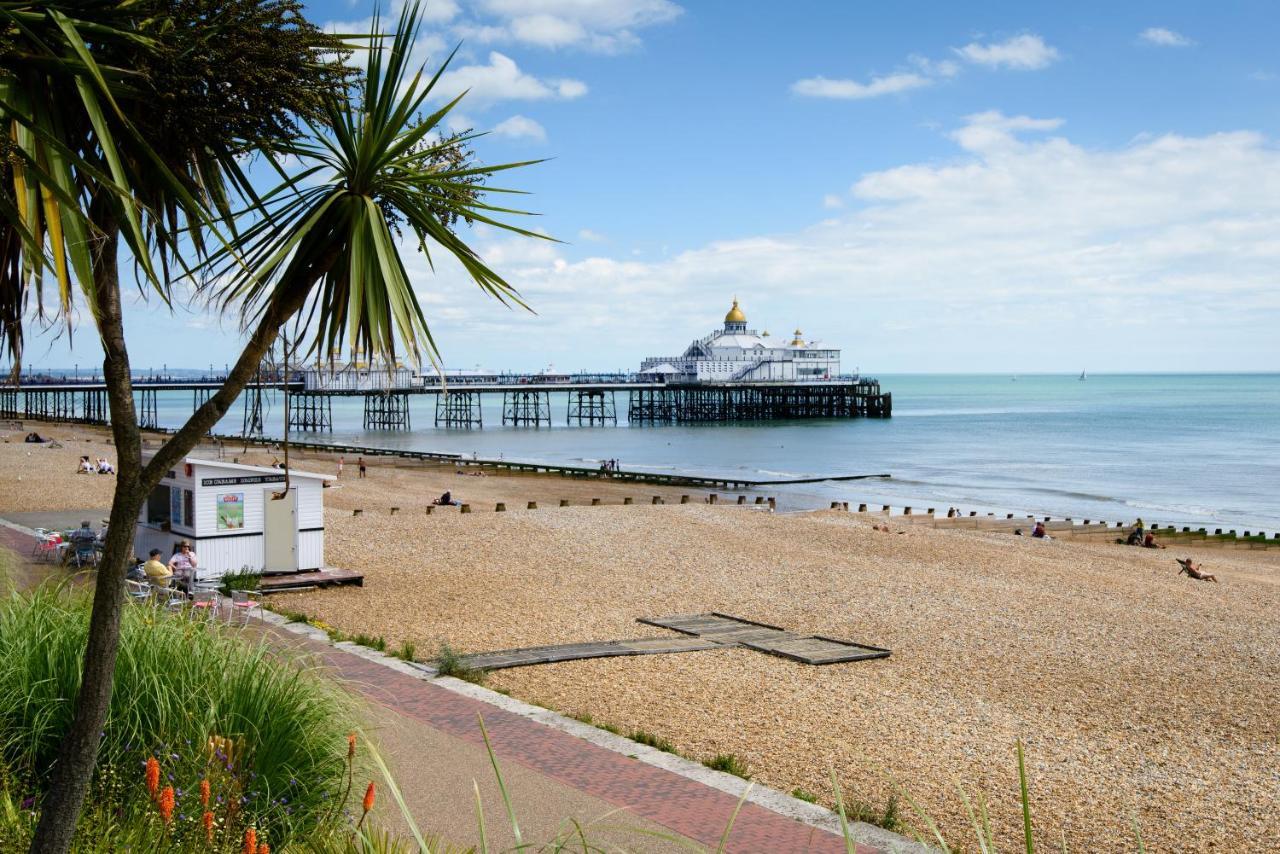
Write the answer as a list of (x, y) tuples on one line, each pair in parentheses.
[(280, 532)]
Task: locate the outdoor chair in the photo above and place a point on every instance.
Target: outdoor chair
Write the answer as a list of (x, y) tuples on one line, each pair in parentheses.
[(204, 605), (243, 605), (85, 553), (172, 598), (138, 591), (45, 549)]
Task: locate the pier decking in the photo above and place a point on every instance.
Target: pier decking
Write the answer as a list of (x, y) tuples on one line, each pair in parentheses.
[(526, 401)]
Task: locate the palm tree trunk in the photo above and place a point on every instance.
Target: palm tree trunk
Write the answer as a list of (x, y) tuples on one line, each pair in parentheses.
[(79, 750), (134, 482)]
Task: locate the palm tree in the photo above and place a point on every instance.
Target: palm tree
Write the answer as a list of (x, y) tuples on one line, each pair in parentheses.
[(322, 241)]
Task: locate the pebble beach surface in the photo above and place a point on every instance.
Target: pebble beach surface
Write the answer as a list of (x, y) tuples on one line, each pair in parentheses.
[(1138, 693)]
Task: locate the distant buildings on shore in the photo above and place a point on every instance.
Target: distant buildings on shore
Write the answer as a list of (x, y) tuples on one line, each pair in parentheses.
[(738, 354)]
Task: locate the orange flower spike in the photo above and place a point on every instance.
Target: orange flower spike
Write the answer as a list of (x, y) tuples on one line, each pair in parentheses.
[(165, 804), (204, 793), (264, 848), (351, 745), (250, 841), (207, 821), (152, 776), (368, 798)]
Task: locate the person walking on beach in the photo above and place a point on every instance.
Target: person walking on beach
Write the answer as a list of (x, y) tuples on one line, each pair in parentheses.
[(341, 462), (363, 470)]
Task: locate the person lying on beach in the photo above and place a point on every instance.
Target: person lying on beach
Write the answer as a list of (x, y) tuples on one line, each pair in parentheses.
[(1135, 537), (1149, 541), (445, 500), (105, 467), (33, 438), (86, 466), (1196, 571)]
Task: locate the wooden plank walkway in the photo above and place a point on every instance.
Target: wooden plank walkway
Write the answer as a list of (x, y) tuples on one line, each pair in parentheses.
[(331, 577), (573, 651), (702, 631)]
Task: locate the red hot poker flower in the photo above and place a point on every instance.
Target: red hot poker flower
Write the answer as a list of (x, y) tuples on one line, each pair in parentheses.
[(250, 841), (166, 804), (152, 776), (204, 793)]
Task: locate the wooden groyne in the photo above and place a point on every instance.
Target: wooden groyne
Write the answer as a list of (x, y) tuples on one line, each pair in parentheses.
[(526, 467), (1062, 527)]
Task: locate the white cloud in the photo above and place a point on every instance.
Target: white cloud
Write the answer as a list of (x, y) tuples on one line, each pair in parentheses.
[(822, 87), (1163, 37), (831, 201), (606, 26), (992, 130), (1158, 254), (521, 127), (501, 79), (1024, 53), (591, 236), (1021, 52)]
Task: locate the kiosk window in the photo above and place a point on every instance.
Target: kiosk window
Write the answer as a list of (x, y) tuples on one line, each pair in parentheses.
[(158, 507), (188, 508)]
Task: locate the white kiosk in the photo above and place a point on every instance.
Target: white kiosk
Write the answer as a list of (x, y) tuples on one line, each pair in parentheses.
[(226, 512)]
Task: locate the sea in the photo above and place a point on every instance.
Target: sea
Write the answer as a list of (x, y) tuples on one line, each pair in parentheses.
[(1183, 449)]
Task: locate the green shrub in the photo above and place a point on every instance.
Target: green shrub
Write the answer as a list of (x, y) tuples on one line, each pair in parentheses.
[(802, 795), (244, 579), (655, 741), (449, 663), (729, 764), (361, 639), (889, 818), (201, 701)]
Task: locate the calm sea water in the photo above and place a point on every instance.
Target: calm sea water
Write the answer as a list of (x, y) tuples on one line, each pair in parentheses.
[(1184, 449)]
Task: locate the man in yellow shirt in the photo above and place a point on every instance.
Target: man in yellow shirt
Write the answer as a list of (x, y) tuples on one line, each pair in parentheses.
[(157, 572)]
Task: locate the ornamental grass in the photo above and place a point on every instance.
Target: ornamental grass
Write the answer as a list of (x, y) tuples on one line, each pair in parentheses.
[(202, 721)]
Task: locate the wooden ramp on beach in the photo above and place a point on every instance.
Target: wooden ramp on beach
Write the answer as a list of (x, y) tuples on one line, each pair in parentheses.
[(702, 632), (774, 640), (331, 577)]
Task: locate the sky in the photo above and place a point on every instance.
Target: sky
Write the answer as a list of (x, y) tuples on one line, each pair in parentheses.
[(1001, 187)]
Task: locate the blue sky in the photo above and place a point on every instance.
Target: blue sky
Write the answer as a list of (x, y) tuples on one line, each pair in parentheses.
[(1005, 187)]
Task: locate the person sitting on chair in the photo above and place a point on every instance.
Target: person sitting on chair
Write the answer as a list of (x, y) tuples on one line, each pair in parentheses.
[(33, 438), (86, 466), (84, 535), (105, 467), (1196, 571), (183, 561), (157, 573), (445, 500)]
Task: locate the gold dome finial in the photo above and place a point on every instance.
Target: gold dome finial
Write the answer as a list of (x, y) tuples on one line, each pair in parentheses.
[(735, 314), (799, 341)]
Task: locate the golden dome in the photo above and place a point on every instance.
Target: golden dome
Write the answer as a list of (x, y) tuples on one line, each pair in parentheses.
[(735, 314), (798, 342), (764, 334)]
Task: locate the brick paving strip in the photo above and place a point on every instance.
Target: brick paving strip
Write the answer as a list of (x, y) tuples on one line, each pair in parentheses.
[(676, 793)]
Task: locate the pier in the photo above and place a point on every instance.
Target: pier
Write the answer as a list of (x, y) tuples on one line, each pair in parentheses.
[(592, 401)]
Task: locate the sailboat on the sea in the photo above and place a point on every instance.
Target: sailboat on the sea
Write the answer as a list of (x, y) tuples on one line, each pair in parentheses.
[(1083, 377)]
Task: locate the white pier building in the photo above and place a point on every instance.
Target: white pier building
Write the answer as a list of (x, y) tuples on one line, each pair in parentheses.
[(739, 354)]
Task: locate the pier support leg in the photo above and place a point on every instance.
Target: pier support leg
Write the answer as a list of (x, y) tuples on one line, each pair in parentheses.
[(386, 410), (459, 409), (592, 407), (526, 408), (309, 411)]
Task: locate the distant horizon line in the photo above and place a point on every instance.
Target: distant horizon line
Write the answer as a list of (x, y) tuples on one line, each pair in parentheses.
[(1042, 373)]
